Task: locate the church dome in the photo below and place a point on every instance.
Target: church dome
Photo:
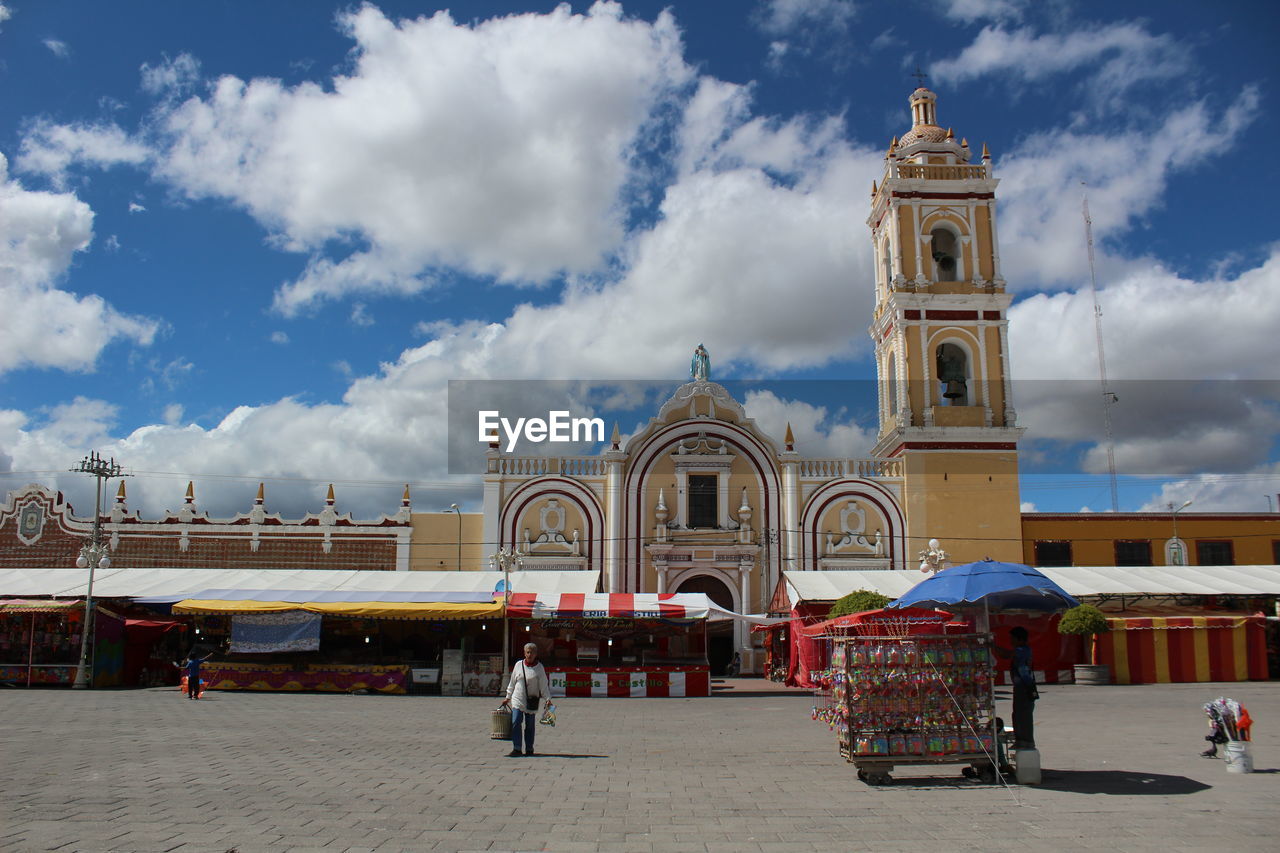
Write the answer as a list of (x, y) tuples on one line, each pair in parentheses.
[(924, 128)]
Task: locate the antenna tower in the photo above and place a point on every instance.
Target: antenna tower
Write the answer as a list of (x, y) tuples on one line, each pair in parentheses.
[(1108, 398)]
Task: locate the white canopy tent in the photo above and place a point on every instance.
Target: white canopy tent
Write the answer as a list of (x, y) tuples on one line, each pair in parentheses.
[(1079, 581), (178, 584)]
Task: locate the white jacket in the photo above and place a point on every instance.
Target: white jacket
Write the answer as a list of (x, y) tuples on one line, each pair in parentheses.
[(528, 681)]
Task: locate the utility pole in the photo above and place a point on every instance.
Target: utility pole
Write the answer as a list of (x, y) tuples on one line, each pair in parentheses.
[(93, 556)]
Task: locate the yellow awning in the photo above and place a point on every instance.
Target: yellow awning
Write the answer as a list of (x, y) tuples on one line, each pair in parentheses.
[(357, 609)]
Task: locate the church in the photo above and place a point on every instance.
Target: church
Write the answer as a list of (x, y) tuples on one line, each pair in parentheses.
[(702, 500)]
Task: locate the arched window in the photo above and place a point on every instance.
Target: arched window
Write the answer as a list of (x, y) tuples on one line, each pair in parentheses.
[(953, 374), (946, 255)]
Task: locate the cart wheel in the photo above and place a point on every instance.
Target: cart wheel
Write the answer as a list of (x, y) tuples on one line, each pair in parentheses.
[(969, 772), (882, 779), (987, 775), (862, 775)]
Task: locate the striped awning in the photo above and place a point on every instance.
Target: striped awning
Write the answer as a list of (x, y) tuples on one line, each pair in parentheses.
[(618, 605), (435, 611), (38, 605)]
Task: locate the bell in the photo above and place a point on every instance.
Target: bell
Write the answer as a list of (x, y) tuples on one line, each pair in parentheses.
[(955, 390)]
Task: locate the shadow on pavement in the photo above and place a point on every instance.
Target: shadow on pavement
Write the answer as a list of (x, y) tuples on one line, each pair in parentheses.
[(565, 755), (1123, 782)]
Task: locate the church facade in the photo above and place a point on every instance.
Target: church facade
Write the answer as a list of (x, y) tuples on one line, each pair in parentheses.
[(702, 500)]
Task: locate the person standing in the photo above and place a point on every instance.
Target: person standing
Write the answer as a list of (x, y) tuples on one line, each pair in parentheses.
[(526, 690), (1023, 677), (192, 666)]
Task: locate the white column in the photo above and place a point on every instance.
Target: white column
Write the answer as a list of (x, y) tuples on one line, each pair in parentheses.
[(981, 373), (789, 540), (613, 544), (915, 239), (996, 275), (975, 272), (904, 386), (924, 374), (492, 513), (1010, 415), (895, 241)]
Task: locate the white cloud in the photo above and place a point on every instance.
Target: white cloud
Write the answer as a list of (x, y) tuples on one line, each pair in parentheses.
[(57, 47), (1117, 56), (134, 207), (1027, 506), (1127, 172), (279, 338), (1193, 363), (780, 17), (438, 148), (173, 413), (1249, 491), (360, 315), (43, 326), (5, 13), (818, 432), (171, 77), (983, 10), (50, 149)]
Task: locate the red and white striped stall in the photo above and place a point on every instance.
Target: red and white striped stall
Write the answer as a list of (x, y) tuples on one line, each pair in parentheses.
[(589, 612)]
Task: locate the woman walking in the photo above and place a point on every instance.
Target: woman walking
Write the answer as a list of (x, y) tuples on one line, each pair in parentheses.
[(526, 690)]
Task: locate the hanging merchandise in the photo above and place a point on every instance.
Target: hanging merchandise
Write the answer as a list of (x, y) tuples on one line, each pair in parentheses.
[(920, 699)]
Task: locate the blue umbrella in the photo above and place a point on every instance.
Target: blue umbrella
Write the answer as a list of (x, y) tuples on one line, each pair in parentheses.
[(993, 585)]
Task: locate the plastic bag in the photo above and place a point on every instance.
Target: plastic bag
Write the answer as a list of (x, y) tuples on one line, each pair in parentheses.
[(548, 717)]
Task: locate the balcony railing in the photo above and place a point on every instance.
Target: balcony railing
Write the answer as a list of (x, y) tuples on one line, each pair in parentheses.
[(536, 466), (918, 172), (867, 469)]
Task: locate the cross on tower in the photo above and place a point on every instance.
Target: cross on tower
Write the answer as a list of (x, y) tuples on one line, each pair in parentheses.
[(920, 76)]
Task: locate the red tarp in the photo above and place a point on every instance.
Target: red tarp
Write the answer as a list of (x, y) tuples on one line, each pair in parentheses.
[(917, 620)]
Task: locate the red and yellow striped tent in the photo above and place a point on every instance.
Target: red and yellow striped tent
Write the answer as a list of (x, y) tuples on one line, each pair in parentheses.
[(1166, 649)]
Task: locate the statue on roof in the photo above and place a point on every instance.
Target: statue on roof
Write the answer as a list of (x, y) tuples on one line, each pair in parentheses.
[(700, 366)]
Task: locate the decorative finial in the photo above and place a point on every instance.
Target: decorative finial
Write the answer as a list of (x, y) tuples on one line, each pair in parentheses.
[(700, 366), (964, 143), (616, 440), (873, 187), (262, 495), (329, 497), (790, 439), (951, 134), (120, 493), (404, 501), (921, 77), (191, 492), (986, 155)]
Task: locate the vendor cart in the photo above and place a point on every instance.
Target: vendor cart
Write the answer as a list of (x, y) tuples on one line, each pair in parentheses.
[(915, 699)]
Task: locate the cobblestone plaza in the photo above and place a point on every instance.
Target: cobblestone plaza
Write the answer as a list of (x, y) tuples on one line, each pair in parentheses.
[(745, 769)]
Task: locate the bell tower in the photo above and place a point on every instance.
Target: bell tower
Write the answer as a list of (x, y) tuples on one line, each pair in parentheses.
[(941, 341)]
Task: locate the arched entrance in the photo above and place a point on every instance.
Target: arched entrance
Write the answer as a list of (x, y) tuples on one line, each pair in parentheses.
[(719, 634)]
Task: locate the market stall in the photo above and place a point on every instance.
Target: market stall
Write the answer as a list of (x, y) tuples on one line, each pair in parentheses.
[(907, 699), (39, 641), (1166, 649), (620, 644), (324, 641)]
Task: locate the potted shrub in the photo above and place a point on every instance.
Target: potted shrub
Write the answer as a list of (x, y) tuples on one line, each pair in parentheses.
[(858, 601), (1088, 621)]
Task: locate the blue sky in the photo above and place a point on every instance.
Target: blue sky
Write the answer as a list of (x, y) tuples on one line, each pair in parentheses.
[(244, 242)]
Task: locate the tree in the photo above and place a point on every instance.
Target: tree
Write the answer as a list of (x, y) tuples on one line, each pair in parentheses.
[(858, 601), (1085, 620)]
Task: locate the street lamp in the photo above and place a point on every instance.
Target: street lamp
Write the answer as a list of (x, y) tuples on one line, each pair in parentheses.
[(504, 560), (454, 508), (1175, 548), (93, 556)]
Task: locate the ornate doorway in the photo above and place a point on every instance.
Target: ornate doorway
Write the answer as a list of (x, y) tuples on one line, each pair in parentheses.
[(720, 635)]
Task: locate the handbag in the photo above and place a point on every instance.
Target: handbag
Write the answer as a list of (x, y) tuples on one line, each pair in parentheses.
[(530, 703)]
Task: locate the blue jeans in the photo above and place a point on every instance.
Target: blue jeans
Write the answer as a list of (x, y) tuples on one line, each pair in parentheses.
[(526, 720)]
